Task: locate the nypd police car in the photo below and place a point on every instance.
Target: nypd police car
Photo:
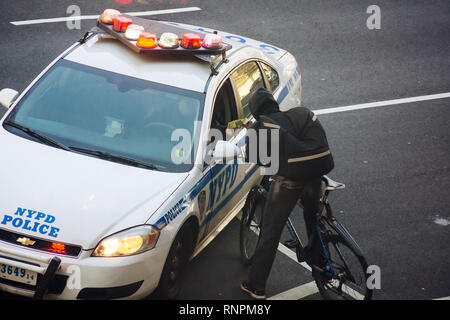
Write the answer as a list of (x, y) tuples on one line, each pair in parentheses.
[(105, 189)]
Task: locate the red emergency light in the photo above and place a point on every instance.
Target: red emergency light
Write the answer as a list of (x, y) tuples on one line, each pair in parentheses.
[(191, 41), (121, 23), (58, 247)]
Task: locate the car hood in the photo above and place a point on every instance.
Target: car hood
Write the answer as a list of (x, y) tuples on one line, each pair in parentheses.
[(80, 199)]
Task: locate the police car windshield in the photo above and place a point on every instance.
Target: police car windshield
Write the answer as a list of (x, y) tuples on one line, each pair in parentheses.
[(92, 109)]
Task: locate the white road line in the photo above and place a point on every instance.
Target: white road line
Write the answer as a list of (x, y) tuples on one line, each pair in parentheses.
[(291, 254), (445, 298), (382, 103), (75, 18), (297, 293)]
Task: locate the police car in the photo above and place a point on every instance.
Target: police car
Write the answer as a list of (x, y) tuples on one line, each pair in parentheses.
[(105, 189)]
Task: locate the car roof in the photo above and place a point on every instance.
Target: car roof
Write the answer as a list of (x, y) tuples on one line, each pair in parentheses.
[(181, 71), (187, 72)]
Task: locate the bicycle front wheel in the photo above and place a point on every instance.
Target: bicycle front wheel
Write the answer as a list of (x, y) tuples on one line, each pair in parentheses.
[(251, 222), (350, 271)]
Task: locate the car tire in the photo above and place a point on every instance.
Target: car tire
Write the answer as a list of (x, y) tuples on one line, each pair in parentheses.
[(170, 283)]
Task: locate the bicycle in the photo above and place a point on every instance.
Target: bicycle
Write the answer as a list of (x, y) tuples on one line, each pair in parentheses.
[(338, 265)]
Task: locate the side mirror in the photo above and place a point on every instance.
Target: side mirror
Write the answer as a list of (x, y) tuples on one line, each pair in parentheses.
[(7, 97), (225, 150)]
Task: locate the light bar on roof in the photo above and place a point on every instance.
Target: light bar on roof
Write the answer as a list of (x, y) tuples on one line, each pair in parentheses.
[(165, 38)]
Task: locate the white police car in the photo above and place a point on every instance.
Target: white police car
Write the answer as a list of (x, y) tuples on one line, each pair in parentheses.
[(105, 189)]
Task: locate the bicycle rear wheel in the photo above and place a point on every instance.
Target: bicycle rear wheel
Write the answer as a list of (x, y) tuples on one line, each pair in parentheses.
[(251, 222), (350, 268)]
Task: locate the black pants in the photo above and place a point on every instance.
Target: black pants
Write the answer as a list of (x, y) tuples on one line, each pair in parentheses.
[(280, 202)]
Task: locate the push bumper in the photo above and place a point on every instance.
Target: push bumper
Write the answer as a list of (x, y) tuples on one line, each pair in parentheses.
[(22, 260), (85, 277)]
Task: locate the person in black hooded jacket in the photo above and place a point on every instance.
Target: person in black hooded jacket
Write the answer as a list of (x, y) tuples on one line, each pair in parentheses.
[(282, 196)]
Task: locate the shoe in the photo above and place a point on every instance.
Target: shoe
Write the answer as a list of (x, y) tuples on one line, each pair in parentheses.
[(255, 294)]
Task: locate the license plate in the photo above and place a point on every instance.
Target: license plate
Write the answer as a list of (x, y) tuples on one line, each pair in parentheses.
[(18, 274)]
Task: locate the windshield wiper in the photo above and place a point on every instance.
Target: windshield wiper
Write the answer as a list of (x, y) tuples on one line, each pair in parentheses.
[(97, 153), (115, 158), (36, 135)]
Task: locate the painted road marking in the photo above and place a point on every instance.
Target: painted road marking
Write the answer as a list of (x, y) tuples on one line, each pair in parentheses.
[(445, 298), (75, 18), (291, 254), (297, 293), (382, 103)]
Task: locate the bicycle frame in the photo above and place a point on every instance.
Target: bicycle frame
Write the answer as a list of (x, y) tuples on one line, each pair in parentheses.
[(337, 226), (316, 233), (327, 260), (321, 227)]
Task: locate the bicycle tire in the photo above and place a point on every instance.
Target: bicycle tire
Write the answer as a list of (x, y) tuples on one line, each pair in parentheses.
[(352, 283), (251, 222)]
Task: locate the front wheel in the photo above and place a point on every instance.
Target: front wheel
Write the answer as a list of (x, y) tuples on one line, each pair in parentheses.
[(251, 222), (170, 282), (349, 280)]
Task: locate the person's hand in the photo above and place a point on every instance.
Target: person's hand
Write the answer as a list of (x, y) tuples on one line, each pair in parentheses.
[(239, 124)]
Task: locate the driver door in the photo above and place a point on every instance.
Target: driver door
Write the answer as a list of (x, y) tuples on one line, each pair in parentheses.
[(230, 182)]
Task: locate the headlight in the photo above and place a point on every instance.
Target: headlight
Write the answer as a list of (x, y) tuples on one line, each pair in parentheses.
[(128, 242)]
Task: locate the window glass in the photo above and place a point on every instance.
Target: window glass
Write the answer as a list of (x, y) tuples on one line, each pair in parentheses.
[(224, 108), (248, 79), (272, 76), (93, 109)]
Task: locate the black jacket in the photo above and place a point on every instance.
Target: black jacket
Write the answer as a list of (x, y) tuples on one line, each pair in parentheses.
[(303, 147)]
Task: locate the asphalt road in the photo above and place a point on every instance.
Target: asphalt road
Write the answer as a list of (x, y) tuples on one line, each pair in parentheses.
[(393, 159)]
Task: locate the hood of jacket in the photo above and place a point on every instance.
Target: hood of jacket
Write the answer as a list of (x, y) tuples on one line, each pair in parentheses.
[(263, 103)]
